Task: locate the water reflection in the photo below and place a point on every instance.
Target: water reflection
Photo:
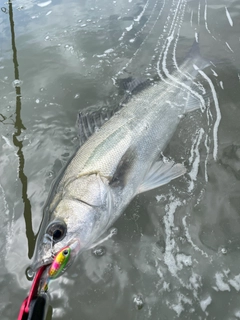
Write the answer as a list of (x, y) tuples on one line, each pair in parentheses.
[(19, 127)]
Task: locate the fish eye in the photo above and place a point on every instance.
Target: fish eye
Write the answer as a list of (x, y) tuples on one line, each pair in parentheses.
[(65, 252), (57, 230)]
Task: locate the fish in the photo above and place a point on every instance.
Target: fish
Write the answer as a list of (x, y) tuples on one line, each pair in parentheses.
[(118, 161), (57, 266)]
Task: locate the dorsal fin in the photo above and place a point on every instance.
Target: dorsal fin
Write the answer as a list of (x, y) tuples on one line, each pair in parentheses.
[(93, 118), (132, 85)]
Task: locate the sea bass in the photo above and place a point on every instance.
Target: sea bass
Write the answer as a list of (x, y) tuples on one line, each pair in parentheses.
[(117, 162)]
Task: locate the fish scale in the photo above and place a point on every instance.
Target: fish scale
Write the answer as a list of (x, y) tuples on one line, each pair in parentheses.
[(117, 162)]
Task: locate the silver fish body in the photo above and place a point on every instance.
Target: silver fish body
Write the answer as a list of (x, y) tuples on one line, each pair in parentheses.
[(116, 163)]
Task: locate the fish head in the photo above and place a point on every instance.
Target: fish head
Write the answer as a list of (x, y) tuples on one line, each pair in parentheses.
[(75, 223)]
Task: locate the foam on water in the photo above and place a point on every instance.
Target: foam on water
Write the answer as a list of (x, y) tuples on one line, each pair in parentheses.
[(206, 20), (235, 282), (206, 143), (168, 219), (142, 12), (218, 113), (3, 201), (189, 239), (205, 303), (9, 226), (195, 159), (44, 4), (221, 285), (179, 307), (229, 17)]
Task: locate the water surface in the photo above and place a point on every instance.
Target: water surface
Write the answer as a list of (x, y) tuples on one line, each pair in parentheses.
[(178, 247)]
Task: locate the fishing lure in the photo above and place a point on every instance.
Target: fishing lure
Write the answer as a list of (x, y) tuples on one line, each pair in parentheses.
[(58, 264)]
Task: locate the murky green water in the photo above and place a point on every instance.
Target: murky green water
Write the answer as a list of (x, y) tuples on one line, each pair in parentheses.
[(177, 247)]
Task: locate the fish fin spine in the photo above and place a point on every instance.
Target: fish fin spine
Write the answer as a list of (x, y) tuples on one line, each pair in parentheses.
[(161, 173)]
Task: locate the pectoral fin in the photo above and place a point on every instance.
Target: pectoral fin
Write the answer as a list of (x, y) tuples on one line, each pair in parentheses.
[(161, 173)]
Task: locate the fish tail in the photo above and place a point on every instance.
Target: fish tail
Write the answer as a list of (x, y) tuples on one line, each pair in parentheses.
[(195, 57)]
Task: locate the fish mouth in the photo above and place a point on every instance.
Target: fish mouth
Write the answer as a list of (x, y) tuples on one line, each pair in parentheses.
[(38, 264), (74, 245)]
